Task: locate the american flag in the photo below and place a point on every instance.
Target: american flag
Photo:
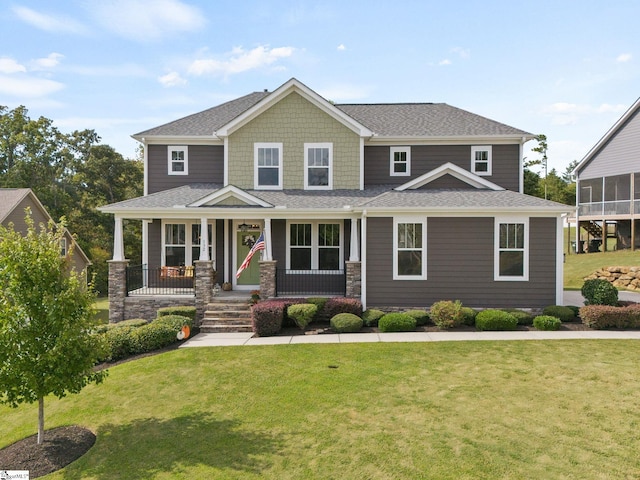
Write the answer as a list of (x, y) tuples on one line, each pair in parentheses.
[(259, 245)]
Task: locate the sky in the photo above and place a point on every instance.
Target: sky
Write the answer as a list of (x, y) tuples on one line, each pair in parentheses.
[(568, 69)]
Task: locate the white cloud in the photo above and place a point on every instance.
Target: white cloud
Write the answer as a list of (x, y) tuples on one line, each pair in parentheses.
[(172, 79), (146, 20), (50, 61), (624, 57), (240, 60), (9, 65), (345, 92), (30, 87), (49, 23), (341, 47), (444, 62), (462, 52)]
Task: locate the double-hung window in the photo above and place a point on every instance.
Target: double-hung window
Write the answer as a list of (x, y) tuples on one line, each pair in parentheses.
[(400, 162), (178, 158), (318, 166), (63, 247), (481, 160), (410, 249), (175, 244), (511, 249), (268, 166), (314, 246)]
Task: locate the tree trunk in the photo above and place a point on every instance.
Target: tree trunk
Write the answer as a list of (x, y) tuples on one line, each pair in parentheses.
[(40, 420)]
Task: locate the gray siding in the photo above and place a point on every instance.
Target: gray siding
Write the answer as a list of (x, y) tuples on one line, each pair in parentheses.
[(205, 164), (619, 155), (155, 243), (424, 158), (460, 266)]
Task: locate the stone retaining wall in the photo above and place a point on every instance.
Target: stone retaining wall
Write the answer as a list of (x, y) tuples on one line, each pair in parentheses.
[(146, 307), (621, 277)]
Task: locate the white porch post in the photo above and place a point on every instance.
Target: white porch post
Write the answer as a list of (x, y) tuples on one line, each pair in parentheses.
[(354, 248), (118, 240), (268, 253), (204, 240)]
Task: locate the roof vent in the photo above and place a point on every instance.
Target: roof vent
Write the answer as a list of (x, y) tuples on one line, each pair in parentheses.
[(266, 90)]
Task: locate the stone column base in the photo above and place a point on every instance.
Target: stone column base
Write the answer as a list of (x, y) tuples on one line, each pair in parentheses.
[(117, 289), (354, 279), (268, 278)]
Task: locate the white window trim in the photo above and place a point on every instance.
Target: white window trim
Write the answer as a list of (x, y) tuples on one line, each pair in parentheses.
[(314, 246), (328, 146), (174, 148), (188, 260), (256, 147), (482, 148), (393, 150), (496, 250), (397, 221), (64, 250)]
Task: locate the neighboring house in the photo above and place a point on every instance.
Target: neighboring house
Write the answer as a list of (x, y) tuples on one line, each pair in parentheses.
[(608, 188), (398, 204), (14, 201)]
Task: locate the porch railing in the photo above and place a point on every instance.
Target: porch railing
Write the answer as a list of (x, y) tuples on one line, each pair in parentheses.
[(142, 280), (620, 207), (310, 282)]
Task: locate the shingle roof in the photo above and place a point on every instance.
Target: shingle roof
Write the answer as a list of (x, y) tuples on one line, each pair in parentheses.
[(381, 196), (9, 200), (205, 123), (425, 120)]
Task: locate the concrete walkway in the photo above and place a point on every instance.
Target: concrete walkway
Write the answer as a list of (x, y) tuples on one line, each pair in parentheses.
[(570, 298)]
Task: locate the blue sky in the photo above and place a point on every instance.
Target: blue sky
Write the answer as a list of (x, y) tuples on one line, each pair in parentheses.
[(565, 68)]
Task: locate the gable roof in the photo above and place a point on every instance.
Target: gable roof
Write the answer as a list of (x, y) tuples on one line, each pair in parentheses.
[(382, 120), (607, 136), (453, 170)]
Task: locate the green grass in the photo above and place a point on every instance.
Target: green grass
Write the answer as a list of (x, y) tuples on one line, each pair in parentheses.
[(576, 267), (446, 410), (102, 309)]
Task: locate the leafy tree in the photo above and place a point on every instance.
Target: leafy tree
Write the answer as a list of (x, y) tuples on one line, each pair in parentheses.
[(46, 318)]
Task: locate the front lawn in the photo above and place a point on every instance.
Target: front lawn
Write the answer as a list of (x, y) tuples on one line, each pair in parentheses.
[(449, 410), (578, 266)]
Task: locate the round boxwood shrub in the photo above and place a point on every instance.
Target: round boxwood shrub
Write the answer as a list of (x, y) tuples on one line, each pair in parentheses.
[(546, 322), (421, 316), (446, 314), (564, 314), (397, 322), (576, 310), (371, 316), (302, 313), (599, 292), (468, 316), (492, 319), (522, 316), (346, 323)]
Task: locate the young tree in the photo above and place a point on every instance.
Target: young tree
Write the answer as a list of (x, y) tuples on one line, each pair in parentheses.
[(46, 318)]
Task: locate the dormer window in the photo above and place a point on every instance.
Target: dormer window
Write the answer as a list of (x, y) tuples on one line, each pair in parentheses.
[(318, 166), (481, 160), (178, 161), (400, 162)]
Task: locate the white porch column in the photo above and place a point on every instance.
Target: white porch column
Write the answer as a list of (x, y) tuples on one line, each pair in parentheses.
[(354, 248), (204, 240), (118, 240), (268, 252)]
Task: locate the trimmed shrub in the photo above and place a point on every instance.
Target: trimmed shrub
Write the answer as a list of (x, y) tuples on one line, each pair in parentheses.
[(397, 322), (320, 302), (267, 317), (421, 316), (522, 316), (599, 292), (174, 321), (446, 314), (346, 323), (119, 343), (302, 313), (600, 317), (189, 312), (134, 322), (492, 319), (546, 322), (576, 310), (371, 316), (468, 316), (565, 314), (154, 336), (338, 305)]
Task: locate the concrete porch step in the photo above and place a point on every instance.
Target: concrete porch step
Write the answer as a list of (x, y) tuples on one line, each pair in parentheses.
[(225, 328)]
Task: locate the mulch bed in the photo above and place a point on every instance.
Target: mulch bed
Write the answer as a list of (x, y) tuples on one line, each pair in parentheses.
[(61, 446)]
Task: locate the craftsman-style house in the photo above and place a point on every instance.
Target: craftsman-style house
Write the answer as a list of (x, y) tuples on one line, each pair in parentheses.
[(397, 204)]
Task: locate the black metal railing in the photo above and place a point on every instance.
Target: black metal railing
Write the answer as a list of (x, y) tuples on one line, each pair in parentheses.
[(310, 282), (142, 280)]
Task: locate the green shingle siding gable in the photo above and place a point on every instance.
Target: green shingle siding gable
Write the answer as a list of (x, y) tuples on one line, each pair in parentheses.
[(293, 122)]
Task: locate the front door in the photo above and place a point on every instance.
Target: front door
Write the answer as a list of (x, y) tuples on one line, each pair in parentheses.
[(250, 277)]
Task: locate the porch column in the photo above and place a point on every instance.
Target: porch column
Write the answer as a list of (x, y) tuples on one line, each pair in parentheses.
[(268, 252), (117, 289), (204, 240), (354, 248), (268, 278), (353, 279), (203, 286), (118, 240)]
